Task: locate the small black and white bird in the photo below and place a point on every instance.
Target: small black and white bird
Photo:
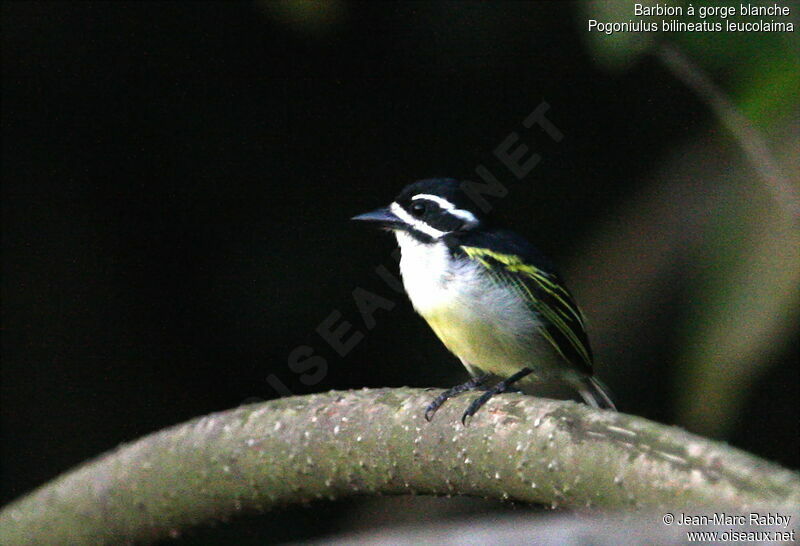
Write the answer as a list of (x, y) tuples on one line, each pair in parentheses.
[(491, 297)]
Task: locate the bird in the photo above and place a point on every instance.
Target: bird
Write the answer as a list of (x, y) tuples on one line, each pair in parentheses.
[(494, 300)]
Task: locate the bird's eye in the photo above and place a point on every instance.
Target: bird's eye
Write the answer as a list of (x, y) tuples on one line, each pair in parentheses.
[(417, 209)]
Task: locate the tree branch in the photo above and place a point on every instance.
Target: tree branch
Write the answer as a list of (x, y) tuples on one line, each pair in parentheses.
[(749, 138), (337, 444)]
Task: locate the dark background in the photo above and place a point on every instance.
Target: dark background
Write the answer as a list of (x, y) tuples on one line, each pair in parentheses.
[(178, 178)]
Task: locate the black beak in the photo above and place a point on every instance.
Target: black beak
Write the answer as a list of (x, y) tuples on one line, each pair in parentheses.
[(383, 217)]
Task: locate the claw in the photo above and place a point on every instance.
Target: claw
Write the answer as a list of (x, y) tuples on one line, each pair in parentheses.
[(429, 411), (437, 402), (500, 388), (478, 403)]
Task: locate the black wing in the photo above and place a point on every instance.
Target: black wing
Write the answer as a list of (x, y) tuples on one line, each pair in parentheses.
[(514, 263)]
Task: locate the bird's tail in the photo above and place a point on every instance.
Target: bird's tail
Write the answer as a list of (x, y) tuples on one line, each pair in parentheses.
[(595, 393)]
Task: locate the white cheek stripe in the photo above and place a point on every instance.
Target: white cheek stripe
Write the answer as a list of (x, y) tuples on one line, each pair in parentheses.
[(465, 215), (419, 225)]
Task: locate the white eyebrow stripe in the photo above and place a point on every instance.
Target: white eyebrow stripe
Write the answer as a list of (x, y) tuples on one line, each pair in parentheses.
[(419, 225), (441, 201), (465, 215)]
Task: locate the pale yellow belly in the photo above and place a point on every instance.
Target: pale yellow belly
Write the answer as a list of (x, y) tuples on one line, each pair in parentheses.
[(491, 346)]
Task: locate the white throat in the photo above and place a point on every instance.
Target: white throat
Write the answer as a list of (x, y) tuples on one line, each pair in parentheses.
[(427, 269)]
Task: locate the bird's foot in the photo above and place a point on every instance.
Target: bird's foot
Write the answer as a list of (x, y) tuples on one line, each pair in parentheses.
[(471, 385), (501, 387)]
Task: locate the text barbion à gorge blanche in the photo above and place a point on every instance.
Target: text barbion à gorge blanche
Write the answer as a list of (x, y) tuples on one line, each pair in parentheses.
[(701, 18)]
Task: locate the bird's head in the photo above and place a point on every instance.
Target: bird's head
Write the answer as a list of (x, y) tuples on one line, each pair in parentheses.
[(428, 210)]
